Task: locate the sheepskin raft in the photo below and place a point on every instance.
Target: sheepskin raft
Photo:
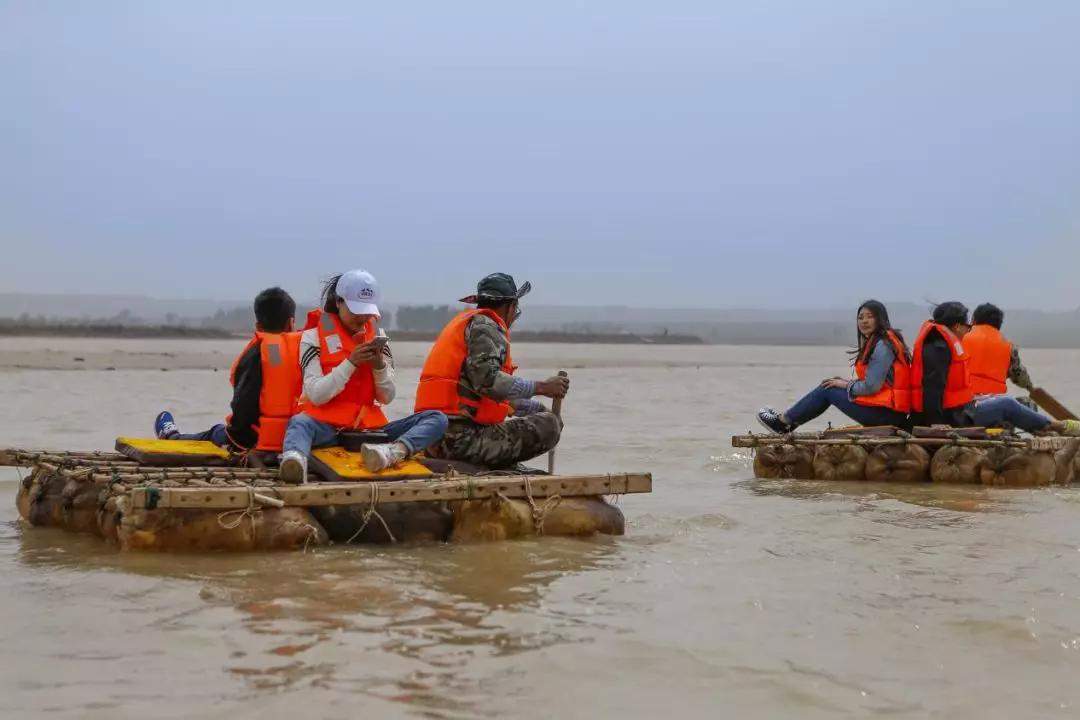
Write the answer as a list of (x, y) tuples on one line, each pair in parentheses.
[(888, 454), (222, 508)]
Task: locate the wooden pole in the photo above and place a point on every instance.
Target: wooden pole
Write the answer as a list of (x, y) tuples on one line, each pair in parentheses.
[(556, 407), (1047, 402)]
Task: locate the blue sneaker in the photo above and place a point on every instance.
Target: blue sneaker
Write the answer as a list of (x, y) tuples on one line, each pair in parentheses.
[(164, 426)]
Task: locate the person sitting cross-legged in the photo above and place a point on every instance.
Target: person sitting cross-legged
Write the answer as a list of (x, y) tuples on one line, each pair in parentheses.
[(348, 375), (495, 420)]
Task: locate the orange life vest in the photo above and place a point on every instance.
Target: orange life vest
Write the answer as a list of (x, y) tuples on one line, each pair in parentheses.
[(441, 376), (958, 390), (355, 406), (895, 395), (990, 355), (279, 355)]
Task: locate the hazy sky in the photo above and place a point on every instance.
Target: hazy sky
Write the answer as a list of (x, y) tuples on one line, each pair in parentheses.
[(612, 151)]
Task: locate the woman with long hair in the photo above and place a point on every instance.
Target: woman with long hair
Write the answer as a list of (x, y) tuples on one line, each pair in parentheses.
[(879, 394)]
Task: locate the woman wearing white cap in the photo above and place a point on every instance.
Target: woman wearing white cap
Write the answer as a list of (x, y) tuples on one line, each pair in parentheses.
[(348, 374)]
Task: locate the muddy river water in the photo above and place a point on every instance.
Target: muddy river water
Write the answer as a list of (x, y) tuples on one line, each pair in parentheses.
[(728, 597)]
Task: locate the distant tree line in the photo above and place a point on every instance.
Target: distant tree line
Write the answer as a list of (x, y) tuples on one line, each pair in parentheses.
[(38, 325), (1026, 328), (430, 318)]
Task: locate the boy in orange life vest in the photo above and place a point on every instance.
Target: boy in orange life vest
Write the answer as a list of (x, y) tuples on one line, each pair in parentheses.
[(251, 424), (469, 375), (993, 359), (941, 391), (348, 373)]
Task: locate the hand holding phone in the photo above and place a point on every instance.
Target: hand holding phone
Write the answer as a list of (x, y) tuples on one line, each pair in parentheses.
[(370, 353)]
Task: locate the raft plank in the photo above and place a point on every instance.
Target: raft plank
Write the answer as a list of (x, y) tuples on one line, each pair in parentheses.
[(862, 431), (465, 488), (971, 433), (19, 457), (753, 441)]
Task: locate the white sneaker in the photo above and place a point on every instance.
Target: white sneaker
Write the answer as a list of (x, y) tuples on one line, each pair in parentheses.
[(380, 457), (293, 469)]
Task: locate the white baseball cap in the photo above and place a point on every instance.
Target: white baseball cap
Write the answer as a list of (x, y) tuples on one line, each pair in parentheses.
[(360, 291)]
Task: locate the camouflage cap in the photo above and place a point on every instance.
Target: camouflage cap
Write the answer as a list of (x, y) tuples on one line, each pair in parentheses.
[(498, 286)]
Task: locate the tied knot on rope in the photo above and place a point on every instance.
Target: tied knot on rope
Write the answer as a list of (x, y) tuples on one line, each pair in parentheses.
[(370, 513), (539, 512), (243, 459), (249, 512)]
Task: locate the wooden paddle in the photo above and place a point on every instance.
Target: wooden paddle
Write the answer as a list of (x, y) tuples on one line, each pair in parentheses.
[(556, 407), (1046, 401)]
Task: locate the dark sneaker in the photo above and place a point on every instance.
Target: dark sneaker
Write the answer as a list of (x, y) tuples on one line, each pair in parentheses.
[(770, 419), (165, 427)]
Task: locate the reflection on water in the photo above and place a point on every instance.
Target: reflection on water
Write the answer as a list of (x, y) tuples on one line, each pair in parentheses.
[(956, 498), (437, 608)]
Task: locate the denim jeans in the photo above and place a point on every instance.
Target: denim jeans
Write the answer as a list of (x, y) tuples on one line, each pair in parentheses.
[(820, 399), (415, 432), (997, 410), (215, 435)]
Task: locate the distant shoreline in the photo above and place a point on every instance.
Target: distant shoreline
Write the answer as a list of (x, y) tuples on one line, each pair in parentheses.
[(116, 331), (555, 336), (182, 332)]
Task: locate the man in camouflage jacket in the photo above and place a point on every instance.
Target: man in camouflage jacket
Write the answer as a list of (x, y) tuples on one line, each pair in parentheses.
[(532, 430)]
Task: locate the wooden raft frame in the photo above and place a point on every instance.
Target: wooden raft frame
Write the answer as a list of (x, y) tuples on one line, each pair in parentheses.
[(752, 440), (441, 489)]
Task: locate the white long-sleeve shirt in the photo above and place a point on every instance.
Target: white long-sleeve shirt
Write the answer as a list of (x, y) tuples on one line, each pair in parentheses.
[(321, 389)]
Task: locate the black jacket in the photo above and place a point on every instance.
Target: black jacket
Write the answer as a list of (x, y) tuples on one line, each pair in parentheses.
[(936, 358), (245, 401)]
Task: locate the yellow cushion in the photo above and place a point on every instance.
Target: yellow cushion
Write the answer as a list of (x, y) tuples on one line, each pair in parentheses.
[(151, 451), (344, 465)]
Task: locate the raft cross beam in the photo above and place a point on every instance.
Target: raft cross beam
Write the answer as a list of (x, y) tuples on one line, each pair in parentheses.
[(463, 488)]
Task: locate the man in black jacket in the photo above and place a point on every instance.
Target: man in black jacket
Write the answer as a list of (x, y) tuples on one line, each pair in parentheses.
[(275, 311)]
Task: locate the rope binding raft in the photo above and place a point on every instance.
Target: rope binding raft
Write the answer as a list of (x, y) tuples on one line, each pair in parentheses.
[(372, 512), (539, 513)]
